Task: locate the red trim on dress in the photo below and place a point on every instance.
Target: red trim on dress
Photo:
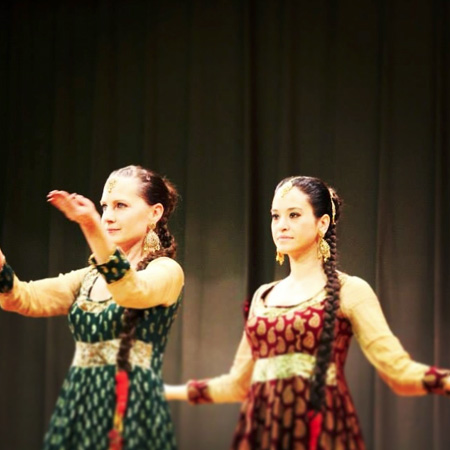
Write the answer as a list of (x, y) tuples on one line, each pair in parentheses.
[(122, 388)]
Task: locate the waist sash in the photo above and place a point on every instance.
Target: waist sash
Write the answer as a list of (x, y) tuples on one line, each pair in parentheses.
[(289, 365), (105, 352)]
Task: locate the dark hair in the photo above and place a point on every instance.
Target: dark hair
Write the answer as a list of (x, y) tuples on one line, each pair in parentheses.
[(323, 200), (154, 188)]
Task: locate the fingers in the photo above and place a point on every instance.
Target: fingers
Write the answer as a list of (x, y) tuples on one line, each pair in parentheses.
[(57, 194), (74, 206), (63, 201), (55, 197)]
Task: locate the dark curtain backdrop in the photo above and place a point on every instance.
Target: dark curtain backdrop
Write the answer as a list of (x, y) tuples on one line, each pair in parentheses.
[(226, 98)]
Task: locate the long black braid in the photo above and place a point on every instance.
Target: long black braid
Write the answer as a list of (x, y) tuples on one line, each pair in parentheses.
[(154, 189), (331, 306), (323, 201)]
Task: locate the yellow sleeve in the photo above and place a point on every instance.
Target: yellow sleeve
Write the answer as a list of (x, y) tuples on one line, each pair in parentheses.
[(234, 385), (160, 283), (227, 388), (361, 307), (43, 298)]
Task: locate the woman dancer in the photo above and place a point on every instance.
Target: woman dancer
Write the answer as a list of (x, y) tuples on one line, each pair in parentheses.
[(120, 310), (289, 367)]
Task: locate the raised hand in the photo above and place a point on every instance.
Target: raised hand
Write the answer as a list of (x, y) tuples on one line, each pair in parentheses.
[(74, 206)]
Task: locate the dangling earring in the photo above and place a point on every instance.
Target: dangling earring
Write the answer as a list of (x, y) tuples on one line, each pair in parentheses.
[(323, 250), (151, 241), (279, 258)]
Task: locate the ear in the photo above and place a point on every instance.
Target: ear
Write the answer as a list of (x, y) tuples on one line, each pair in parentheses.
[(156, 212), (323, 224)]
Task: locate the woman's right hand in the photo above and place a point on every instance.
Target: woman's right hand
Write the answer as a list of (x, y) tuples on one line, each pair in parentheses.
[(74, 206)]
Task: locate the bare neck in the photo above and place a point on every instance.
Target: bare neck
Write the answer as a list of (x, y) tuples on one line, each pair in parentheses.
[(134, 254), (307, 270), (305, 280)]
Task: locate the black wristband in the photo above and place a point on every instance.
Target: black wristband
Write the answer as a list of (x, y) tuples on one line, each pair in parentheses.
[(6, 278), (113, 269)]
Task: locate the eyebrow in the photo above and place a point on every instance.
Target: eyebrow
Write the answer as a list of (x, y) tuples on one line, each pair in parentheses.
[(119, 200), (288, 209)]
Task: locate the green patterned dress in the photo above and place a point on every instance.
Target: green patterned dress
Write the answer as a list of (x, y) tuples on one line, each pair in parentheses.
[(84, 410)]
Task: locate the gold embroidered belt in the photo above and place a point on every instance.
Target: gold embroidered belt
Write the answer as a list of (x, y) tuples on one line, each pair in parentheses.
[(289, 365), (103, 353)]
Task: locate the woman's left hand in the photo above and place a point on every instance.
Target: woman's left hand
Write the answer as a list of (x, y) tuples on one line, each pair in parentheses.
[(74, 206)]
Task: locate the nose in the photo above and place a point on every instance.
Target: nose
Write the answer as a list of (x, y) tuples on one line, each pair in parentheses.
[(282, 224), (108, 215)]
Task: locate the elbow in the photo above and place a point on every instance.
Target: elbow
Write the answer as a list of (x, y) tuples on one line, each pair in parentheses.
[(241, 396), (11, 306), (8, 305), (240, 392)]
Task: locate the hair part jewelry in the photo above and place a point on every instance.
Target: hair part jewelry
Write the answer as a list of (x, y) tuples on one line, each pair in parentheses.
[(283, 190), (333, 207), (151, 241), (111, 183)]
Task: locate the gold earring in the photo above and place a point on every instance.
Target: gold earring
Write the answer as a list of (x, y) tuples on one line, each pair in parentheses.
[(279, 258), (323, 250), (151, 241)]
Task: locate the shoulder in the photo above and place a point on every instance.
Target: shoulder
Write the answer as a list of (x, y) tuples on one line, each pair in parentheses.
[(168, 266), (352, 282), (260, 293), (264, 288), (354, 290)]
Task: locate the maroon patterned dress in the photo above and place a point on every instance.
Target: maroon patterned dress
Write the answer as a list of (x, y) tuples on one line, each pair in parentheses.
[(282, 344)]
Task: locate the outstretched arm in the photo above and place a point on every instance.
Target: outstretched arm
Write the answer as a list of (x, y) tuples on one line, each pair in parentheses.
[(54, 296), (159, 284), (395, 366), (227, 388), (42, 298)]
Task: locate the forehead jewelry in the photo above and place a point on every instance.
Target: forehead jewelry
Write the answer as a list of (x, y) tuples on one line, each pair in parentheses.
[(333, 209), (110, 185), (286, 188)]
